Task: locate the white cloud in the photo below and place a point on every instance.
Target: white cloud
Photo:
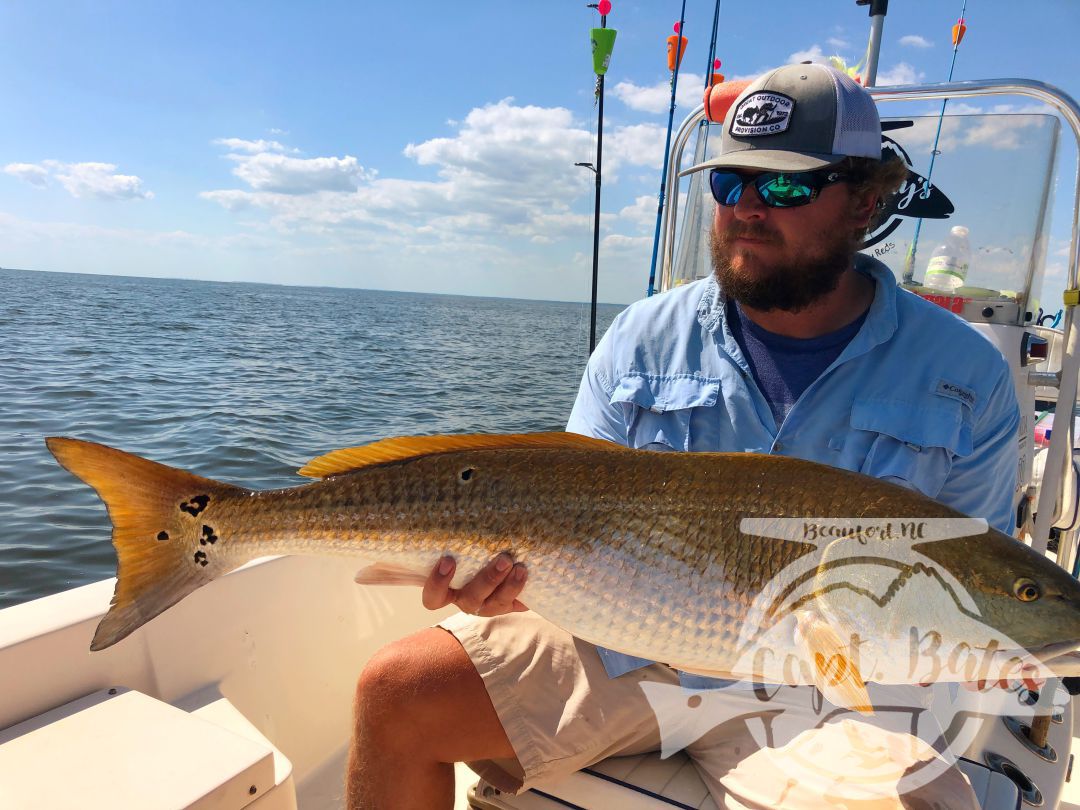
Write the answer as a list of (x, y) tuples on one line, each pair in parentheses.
[(98, 180), (508, 170), (252, 147), (268, 171), (619, 246), (499, 192), (642, 213), (967, 108), (29, 173), (263, 167), (999, 133), (230, 199), (640, 144), (811, 54), (640, 216), (496, 202), (902, 73), (838, 43), (1004, 132), (15, 230), (916, 41), (91, 179), (656, 98)]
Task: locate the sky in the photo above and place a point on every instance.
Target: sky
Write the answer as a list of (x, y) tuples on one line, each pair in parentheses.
[(420, 146)]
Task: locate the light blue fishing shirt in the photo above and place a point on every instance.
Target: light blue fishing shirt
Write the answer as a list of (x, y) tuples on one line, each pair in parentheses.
[(917, 397)]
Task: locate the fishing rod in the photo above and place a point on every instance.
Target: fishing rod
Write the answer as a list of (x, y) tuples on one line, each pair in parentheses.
[(958, 32), (712, 47), (711, 78), (878, 10), (603, 41), (676, 47)]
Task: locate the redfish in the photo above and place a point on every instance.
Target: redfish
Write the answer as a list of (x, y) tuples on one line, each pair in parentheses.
[(727, 564)]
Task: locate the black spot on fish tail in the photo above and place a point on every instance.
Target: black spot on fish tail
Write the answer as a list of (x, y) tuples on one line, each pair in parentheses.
[(467, 473), (200, 558), (208, 536), (162, 535), (196, 505)]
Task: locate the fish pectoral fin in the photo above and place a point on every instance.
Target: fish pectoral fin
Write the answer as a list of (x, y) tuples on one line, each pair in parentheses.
[(382, 573), (834, 669)]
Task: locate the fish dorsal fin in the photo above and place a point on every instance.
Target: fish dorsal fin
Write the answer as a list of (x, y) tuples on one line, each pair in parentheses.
[(349, 459)]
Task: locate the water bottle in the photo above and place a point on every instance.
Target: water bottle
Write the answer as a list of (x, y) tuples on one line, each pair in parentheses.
[(949, 263)]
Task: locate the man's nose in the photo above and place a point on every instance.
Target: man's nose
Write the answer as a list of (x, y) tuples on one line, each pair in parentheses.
[(750, 206)]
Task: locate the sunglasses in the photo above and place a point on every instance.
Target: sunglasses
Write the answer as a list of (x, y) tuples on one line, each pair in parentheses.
[(776, 189)]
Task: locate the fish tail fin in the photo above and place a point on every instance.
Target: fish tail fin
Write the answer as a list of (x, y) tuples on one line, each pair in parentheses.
[(160, 518)]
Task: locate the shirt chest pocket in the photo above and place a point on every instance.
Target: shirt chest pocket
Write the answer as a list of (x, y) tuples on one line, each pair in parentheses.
[(658, 409), (910, 443)]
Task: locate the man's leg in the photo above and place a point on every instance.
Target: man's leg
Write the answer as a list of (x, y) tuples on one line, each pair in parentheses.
[(515, 697), (420, 707)]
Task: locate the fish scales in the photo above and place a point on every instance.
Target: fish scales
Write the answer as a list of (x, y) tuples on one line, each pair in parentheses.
[(638, 551)]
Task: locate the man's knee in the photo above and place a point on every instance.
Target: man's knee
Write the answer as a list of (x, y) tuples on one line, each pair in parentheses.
[(411, 677), (381, 679)]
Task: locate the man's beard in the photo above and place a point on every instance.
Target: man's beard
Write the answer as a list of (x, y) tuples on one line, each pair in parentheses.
[(790, 287)]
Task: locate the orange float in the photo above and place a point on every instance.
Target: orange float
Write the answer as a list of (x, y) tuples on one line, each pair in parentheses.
[(672, 63), (720, 96)]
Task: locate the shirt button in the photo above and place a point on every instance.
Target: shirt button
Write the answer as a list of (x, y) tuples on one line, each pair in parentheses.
[(778, 446)]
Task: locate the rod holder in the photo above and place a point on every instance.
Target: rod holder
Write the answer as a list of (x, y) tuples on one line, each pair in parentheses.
[(1034, 737), (1029, 791), (1044, 379)]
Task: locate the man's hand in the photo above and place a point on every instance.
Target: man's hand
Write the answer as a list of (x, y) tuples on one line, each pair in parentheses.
[(492, 592)]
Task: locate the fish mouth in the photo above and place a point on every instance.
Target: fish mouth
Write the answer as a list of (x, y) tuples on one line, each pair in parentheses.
[(1058, 649), (1061, 658)]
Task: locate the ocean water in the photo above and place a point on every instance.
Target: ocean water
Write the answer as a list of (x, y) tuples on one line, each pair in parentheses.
[(245, 383)]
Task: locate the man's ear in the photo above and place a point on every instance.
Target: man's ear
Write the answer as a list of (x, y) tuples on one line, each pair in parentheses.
[(865, 208)]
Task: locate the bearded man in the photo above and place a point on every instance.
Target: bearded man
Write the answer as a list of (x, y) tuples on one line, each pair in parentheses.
[(796, 345)]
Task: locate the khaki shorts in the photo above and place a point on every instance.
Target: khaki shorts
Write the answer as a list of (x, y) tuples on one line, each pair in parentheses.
[(562, 712)]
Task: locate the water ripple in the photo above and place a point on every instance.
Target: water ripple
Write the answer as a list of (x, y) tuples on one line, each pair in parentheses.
[(244, 382)]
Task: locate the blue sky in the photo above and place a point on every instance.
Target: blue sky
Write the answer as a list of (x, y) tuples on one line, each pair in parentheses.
[(421, 146)]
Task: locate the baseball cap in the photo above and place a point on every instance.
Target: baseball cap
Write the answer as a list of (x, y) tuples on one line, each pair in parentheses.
[(798, 118)]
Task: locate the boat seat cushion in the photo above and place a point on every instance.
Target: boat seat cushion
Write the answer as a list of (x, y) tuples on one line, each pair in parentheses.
[(121, 748)]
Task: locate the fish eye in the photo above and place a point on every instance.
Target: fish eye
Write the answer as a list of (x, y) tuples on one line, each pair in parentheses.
[(1026, 590)]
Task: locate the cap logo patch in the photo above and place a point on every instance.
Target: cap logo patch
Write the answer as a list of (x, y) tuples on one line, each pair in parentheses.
[(762, 114)]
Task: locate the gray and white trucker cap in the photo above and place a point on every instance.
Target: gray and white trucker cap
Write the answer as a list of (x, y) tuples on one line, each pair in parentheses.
[(798, 118)]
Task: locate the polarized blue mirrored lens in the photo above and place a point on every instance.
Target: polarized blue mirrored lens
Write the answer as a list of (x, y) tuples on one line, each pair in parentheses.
[(726, 187), (776, 189), (784, 190)]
